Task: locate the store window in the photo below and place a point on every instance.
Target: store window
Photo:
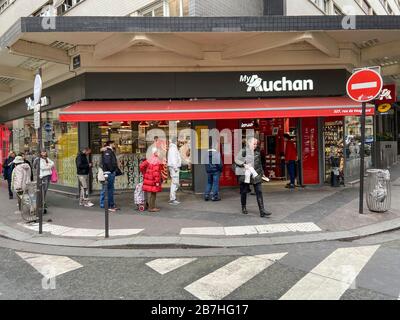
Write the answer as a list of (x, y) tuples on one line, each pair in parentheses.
[(59, 139), (133, 140), (353, 144)]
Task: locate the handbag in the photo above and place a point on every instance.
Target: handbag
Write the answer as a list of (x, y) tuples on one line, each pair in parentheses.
[(54, 175), (118, 172), (100, 175)]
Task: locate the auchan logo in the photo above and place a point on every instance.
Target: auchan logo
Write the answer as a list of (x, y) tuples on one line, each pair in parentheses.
[(254, 82)]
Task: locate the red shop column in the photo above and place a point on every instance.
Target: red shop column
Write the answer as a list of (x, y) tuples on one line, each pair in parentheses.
[(310, 161)]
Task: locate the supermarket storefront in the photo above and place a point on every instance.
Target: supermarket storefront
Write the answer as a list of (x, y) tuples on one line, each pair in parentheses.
[(135, 109)]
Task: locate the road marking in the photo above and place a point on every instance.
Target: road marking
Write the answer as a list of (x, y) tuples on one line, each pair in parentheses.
[(50, 265), (79, 232), (164, 266), (256, 229), (364, 85), (333, 276), (220, 283)]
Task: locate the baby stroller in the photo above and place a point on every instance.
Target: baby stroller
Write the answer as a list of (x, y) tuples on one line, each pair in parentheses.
[(139, 197)]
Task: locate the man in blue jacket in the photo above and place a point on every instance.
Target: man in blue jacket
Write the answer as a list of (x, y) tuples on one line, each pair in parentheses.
[(214, 168), (8, 167)]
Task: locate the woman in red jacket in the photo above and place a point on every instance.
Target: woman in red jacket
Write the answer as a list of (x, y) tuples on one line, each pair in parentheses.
[(152, 179)]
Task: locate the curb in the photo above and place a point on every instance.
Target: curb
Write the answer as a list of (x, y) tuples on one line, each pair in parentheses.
[(137, 242)]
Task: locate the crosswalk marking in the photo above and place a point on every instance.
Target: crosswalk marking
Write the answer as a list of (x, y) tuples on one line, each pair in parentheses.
[(220, 283), (164, 266), (333, 276), (79, 232), (254, 229), (50, 266)]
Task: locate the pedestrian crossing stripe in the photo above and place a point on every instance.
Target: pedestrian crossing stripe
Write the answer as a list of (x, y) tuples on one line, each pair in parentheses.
[(220, 283), (163, 266), (48, 265), (333, 276)]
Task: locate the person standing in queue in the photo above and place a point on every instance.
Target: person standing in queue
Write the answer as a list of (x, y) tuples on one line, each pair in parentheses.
[(109, 164), (174, 165), (249, 159), (46, 167), (290, 159), (83, 169), (152, 179), (8, 167), (214, 169)]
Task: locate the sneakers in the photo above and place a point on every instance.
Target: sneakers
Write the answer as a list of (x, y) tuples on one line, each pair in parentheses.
[(174, 202), (154, 210), (112, 210), (89, 204)]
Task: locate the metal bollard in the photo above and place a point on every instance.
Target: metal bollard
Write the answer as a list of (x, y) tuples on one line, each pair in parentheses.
[(107, 226)]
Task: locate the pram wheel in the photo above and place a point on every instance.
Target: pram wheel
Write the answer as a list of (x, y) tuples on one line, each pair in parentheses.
[(141, 207)]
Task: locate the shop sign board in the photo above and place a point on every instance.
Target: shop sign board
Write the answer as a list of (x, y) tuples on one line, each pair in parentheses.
[(36, 120), (364, 85), (384, 107), (387, 95)]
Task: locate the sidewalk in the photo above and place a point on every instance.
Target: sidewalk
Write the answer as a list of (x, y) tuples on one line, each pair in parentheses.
[(303, 214)]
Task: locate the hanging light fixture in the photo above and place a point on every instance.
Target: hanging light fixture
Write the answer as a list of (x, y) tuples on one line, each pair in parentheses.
[(144, 124), (163, 124), (125, 125)]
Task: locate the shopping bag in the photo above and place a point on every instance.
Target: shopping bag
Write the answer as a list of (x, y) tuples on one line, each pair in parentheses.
[(54, 175)]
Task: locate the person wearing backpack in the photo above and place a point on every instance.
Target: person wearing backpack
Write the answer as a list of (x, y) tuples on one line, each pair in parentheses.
[(214, 168), (21, 177)]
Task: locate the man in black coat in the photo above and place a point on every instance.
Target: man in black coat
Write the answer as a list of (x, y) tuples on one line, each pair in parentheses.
[(8, 168), (109, 164), (83, 169)]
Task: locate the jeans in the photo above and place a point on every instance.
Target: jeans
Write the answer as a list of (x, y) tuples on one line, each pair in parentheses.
[(45, 187), (110, 193), (10, 193), (291, 165), (245, 188), (83, 189), (174, 183), (212, 185)]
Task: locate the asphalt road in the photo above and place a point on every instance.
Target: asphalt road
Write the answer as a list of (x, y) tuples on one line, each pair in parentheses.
[(363, 269)]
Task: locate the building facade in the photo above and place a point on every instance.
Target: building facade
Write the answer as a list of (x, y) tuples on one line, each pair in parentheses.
[(141, 57)]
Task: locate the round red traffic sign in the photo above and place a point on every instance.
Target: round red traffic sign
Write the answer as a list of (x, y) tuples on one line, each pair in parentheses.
[(364, 85)]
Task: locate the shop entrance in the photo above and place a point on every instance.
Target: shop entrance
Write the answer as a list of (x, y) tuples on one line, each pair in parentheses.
[(270, 133)]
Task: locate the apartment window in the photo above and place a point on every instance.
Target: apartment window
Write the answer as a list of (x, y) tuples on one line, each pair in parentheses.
[(65, 5), (337, 11), (157, 9), (366, 7), (323, 5), (4, 4)]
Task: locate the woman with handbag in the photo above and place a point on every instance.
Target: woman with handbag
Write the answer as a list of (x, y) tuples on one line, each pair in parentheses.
[(152, 178), (45, 175)]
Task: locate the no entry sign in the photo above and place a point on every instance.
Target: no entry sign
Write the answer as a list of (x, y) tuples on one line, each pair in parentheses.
[(364, 85)]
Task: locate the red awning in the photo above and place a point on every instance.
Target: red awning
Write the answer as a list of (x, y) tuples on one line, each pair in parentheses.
[(99, 111)]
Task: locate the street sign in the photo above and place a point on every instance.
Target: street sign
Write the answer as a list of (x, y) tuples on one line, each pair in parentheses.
[(36, 120), (37, 89), (364, 85)]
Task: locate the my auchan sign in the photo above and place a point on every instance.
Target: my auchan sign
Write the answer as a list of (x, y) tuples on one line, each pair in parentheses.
[(258, 84)]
